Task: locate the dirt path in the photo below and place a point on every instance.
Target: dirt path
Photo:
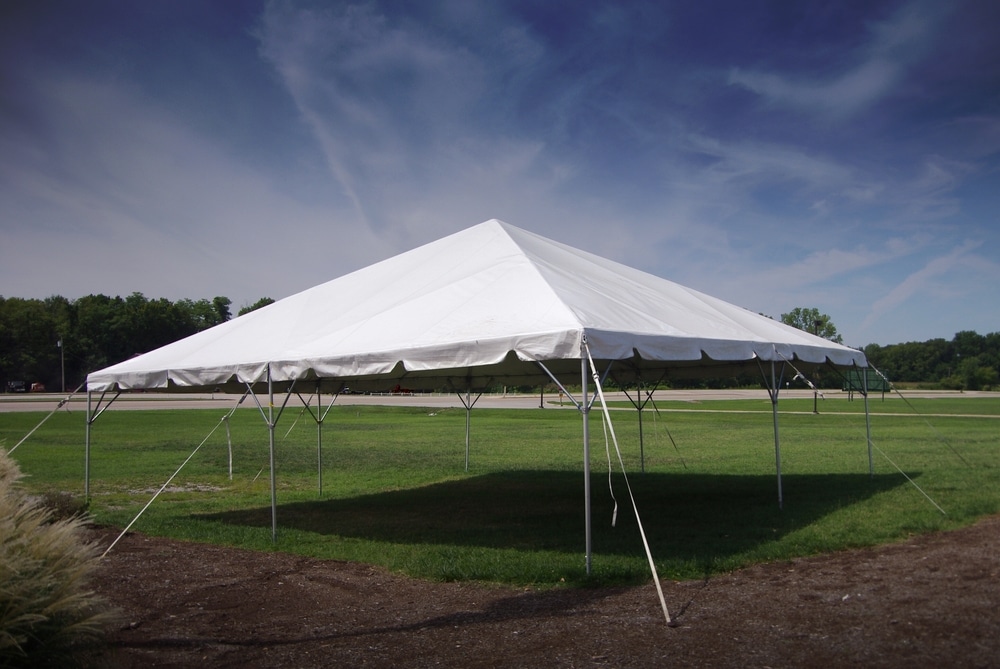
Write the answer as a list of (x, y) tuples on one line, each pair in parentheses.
[(932, 601)]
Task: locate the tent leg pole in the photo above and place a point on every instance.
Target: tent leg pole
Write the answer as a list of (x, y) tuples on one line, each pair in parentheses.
[(86, 452), (468, 426), (270, 432), (585, 408), (868, 425), (319, 440), (642, 447), (229, 443), (777, 442)]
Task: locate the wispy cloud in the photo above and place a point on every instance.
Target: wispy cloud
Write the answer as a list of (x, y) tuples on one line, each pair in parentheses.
[(820, 266), (386, 100), (255, 154), (918, 282), (753, 163), (876, 69), (135, 200)]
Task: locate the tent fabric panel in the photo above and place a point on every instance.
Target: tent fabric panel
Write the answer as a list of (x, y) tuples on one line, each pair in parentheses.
[(473, 299), (612, 296), (458, 354)]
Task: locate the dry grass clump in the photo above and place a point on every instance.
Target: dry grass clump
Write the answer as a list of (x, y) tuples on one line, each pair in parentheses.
[(47, 613)]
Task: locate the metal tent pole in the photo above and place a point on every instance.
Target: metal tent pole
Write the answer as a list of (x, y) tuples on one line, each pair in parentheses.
[(639, 405), (585, 409), (773, 391), (468, 424), (86, 452), (318, 417), (469, 403), (319, 438), (229, 444), (270, 432), (642, 447), (868, 423)]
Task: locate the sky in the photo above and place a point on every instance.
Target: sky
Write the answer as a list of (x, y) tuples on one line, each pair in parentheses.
[(843, 156)]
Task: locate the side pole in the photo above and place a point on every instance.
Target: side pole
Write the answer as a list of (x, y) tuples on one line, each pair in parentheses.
[(270, 432), (319, 439), (868, 423), (469, 403), (775, 386), (639, 405), (229, 442), (468, 424), (86, 452), (642, 447), (585, 409)]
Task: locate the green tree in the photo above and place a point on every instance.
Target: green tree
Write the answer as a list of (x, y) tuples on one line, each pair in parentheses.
[(29, 333), (95, 331), (262, 302), (222, 304), (813, 322)]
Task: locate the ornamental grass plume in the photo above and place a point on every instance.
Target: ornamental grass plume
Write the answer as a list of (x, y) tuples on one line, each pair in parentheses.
[(47, 613)]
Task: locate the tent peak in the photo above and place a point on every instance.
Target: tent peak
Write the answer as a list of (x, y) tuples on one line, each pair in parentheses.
[(487, 301)]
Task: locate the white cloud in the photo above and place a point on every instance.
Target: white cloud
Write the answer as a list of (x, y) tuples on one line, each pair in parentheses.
[(877, 67), (752, 163), (918, 282), (382, 98), (420, 130), (842, 96), (119, 195)]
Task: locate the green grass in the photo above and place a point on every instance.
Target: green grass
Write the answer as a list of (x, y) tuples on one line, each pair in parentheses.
[(837, 402), (396, 493)]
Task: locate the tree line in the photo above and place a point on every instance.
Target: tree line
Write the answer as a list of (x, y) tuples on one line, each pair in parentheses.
[(44, 342), (970, 361), (48, 341)]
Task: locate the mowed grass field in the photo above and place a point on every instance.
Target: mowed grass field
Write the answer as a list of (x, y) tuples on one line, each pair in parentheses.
[(395, 491)]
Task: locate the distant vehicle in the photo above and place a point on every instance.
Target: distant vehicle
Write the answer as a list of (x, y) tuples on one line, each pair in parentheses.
[(399, 390), (17, 387), (37, 387)]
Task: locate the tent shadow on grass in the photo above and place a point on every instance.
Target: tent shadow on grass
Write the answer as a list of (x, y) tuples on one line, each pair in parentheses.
[(707, 518)]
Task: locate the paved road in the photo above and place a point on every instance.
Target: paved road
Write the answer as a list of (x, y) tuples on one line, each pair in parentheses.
[(147, 401)]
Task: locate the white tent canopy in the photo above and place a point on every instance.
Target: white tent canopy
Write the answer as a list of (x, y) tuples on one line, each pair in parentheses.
[(492, 304), (483, 304)]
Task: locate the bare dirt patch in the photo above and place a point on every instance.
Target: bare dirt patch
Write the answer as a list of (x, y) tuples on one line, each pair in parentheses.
[(931, 601)]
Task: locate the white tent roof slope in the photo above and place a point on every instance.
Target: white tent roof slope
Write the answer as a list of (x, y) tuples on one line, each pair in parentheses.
[(485, 303)]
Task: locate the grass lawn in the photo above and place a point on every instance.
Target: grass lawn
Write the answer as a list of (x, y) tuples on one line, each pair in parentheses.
[(396, 493)]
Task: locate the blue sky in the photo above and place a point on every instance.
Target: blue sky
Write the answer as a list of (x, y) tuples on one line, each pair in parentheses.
[(837, 155)]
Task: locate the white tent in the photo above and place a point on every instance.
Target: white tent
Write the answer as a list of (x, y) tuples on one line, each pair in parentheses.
[(492, 304), (485, 303)]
